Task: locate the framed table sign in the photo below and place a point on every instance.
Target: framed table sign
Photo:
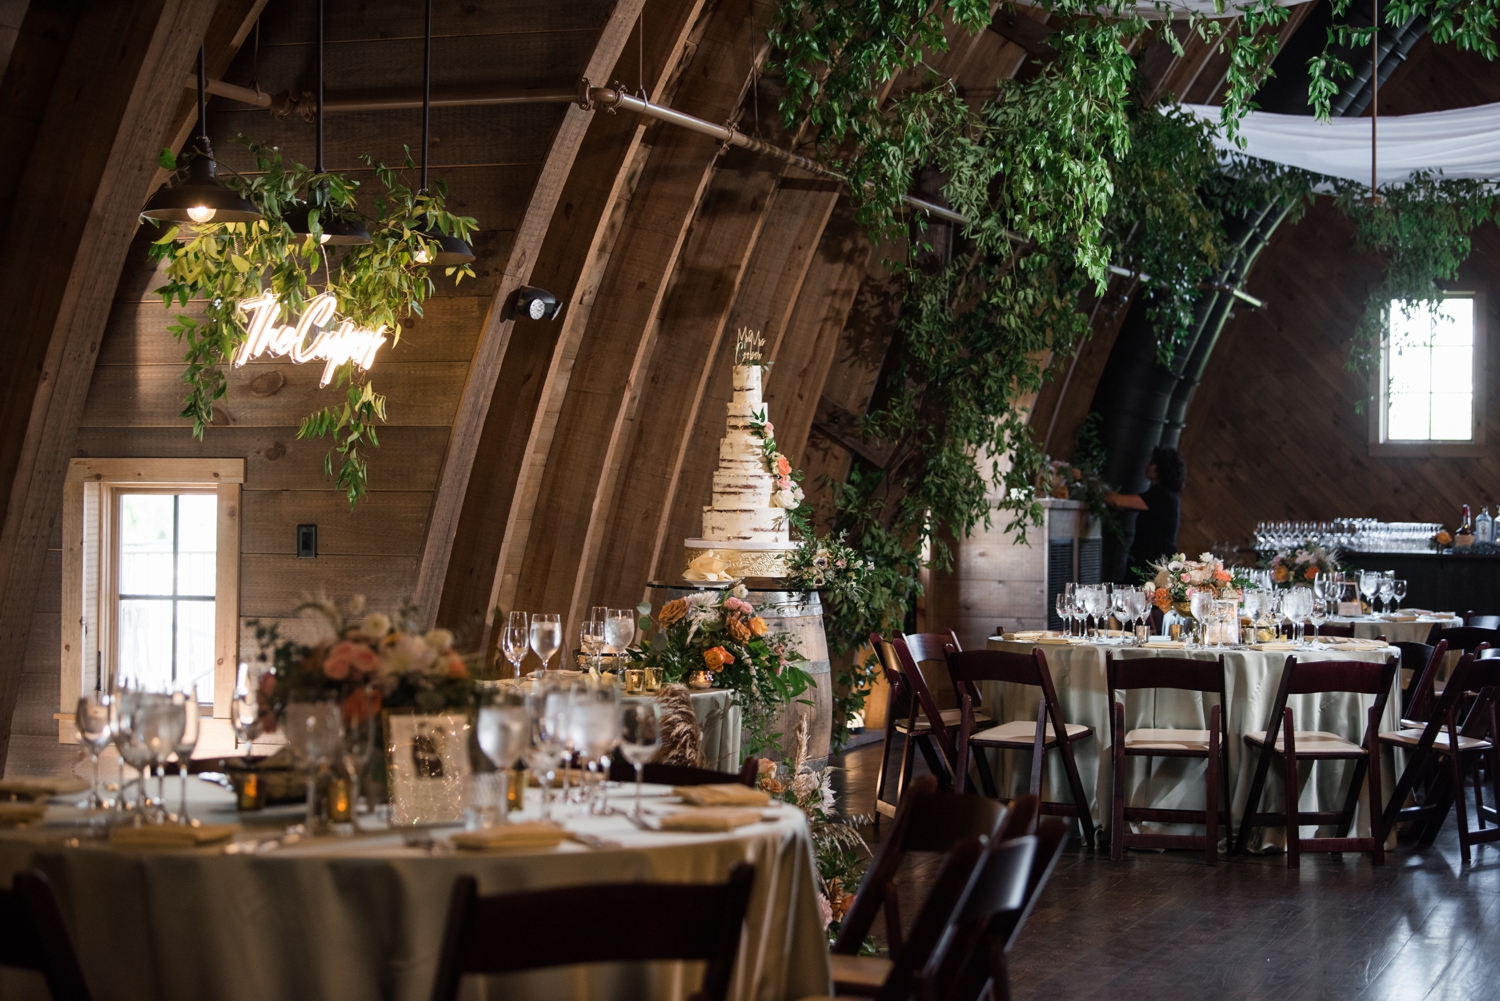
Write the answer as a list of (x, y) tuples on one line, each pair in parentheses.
[(427, 762)]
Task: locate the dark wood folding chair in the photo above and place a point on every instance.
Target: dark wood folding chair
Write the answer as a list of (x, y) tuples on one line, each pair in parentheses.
[(912, 651), (1207, 677), (621, 770), (928, 821), (972, 963), (1282, 739), (1477, 739), (1465, 638), (1046, 732), (33, 936), (669, 921), (904, 715), (1414, 659), (1344, 629), (1424, 688), (1474, 620)]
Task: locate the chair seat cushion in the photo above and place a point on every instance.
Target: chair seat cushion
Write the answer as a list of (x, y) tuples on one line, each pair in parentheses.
[(950, 717), (858, 974), (1411, 737), (1166, 740), (1022, 733), (1309, 742)]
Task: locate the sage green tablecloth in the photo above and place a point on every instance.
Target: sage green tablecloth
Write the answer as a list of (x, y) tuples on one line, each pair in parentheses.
[(363, 917), (1251, 681), (719, 719)]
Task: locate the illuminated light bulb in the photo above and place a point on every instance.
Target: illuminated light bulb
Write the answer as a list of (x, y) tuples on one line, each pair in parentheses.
[(422, 256), (200, 213)]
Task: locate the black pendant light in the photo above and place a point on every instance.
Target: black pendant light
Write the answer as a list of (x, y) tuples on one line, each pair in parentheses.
[(200, 197), (443, 250), (332, 229)]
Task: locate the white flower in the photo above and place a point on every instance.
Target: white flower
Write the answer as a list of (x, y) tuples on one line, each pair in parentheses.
[(740, 591), (1206, 557), (804, 785), (356, 604), (787, 499), (375, 625), (1175, 565), (440, 640), (407, 654)]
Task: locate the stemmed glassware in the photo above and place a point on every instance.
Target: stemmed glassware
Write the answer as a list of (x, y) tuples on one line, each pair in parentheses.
[(94, 733), (546, 635), (162, 722), (546, 742), (1318, 615), (640, 736), (315, 732), (591, 641), (124, 706), (1070, 603), (1387, 591), (504, 731), (1369, 586), (1297, 605), (185, 702), (595, 721), (244, 709), (514, 641), (1201, 604), (619, 631), (1398, 592), (559, 716)]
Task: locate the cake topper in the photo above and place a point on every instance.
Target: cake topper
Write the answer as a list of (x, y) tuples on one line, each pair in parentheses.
[(747, 345)]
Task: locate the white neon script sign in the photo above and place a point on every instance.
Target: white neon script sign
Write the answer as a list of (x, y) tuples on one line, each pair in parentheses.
[(313, 337)]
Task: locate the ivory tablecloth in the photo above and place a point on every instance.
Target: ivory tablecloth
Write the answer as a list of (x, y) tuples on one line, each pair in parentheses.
[(1251, 681), (719, 719), (363, 917), (1397, 630)]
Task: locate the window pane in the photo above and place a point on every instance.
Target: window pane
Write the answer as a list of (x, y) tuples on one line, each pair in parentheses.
[(1453, 370), (195, 646), (1411, 370), (1452, 416), (1407, 419), (146, 642), (197, 538), (1454, 324), (146, 544)]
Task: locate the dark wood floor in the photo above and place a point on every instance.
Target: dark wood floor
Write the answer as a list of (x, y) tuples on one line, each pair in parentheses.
[(1163, 926)]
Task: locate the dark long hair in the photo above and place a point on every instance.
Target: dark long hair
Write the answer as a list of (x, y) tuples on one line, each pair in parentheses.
[(1171, 470)]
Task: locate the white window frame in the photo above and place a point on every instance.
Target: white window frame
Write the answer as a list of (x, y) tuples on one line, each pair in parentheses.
[(1470, 448), (90, 577)]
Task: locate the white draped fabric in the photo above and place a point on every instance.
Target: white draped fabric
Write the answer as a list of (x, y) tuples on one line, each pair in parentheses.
[(1463, 143)]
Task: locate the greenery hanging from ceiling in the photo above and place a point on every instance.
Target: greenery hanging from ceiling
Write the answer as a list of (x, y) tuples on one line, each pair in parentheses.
[(378, 284)]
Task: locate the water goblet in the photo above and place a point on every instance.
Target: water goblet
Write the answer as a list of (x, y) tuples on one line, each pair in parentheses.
[(1398, 592), (619, 631), (94, 733), (244, 708), (504, 731), (315, 733), (1369, 586), (163, 722), (640, 737), (546, 635), (1319, 615), (187, 700), (598, 715), (514, 641), (1201, 604), (591, 641), (1071, 598), (1387, 591), (546, 744), (1065, 613)]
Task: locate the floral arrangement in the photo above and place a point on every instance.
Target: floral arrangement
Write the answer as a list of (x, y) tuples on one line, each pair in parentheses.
[(1301, 566), (719, 632), (1440, 541), (367, 662), (1176, 578), (841, 854)]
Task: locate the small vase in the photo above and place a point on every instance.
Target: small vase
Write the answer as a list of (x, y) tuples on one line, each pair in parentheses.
[(700, 680)]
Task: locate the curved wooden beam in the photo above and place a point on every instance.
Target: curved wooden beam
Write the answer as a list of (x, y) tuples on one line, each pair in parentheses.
[(62, 254), (489, 357)]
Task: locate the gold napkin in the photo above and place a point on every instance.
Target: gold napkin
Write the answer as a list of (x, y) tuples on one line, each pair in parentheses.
[(16, 814), (1165, 645), (725, 794), (1030, 634), (1276, 645), (1052, 641), (710, 818), (171, 836), (525, 834), (40, 788)]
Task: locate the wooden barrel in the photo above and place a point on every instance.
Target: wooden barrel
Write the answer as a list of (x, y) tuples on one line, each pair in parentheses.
[(798, 614)]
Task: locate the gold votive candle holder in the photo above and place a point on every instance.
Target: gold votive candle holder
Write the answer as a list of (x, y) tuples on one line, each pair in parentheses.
[(635, 680), (653, 679)]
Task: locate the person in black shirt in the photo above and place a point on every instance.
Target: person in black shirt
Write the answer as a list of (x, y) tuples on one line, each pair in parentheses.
[(1160, 508)]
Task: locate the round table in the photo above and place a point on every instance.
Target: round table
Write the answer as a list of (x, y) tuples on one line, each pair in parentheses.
[(363, 917), (1251, 679), (1400, 629)]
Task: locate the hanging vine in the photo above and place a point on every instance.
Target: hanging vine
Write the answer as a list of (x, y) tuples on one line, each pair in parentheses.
[(379, 284)]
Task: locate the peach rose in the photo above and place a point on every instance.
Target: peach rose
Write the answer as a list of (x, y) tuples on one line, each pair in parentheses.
[(453, 665), (362, 704), (783, 467), (757, 625), (739, 629), (672, 611), (717, 658), (348, 658)]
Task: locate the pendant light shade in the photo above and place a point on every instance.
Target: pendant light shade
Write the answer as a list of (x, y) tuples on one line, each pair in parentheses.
[(333, 230), (200, 197), (442, 251)]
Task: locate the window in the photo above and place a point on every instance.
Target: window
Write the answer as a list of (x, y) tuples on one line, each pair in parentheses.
[(151, 580), (1431, 377)]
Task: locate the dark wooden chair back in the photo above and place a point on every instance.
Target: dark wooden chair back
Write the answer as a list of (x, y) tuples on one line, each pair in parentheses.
[(900, 700), (621, 770), (1345, 629), (936, 918), (1166, 672), (33, 936), (668, 921), (926, 703), (1362, 677), (1419, 691), (933, 647), (1476, 621), (995, 665), (926, 821), (1021, 817), (1465, 638)]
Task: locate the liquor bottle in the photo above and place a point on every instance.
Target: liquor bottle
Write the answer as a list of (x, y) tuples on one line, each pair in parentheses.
[(1464, 537), (1484, 527)]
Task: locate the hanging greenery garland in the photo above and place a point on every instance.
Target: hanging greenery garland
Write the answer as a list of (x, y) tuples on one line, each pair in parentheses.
[(380, 284)]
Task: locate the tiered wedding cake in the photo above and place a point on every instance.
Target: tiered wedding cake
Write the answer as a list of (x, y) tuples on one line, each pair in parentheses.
[(745, 528)]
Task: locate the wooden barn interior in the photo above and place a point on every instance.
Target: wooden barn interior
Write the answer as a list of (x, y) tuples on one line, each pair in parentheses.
[(652, 225)]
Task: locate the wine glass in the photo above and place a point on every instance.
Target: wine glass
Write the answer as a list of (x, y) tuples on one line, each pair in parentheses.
[(546, 744), (514, 640), (1070, 596), (315, 733), (94, 733), (619, 631), (1369, 586), (1065, 613), (1387, 591), (591, 640), (546, 635), (1398, 592), (597, 725), (640, 737), (1201, 604), (361, 736), (504, 731), (558, 715), (187, 700), (1095, 603), (125, 706), (1318, 615), (244, 709), (163, 723)]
